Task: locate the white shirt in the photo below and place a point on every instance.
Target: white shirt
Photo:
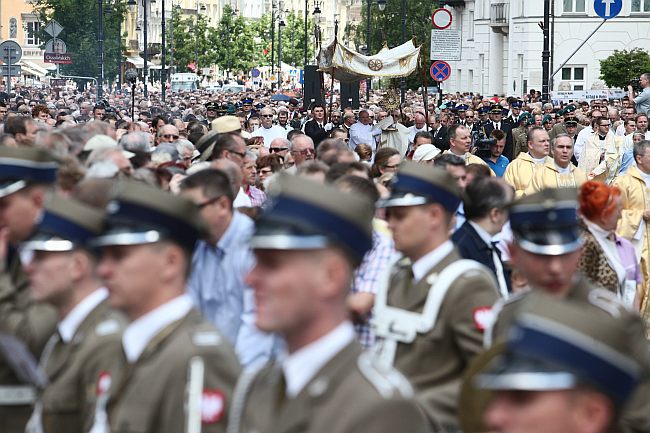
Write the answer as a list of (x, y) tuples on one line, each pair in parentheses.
[(140, 332), (301, 366), (413, 130), (242, 199), (581, 141), (561, 170), (69, 325), (270, 134), (363, 134), (498, 266), (430, 259)]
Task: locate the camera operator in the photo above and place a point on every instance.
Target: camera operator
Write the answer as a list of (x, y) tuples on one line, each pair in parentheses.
[(496, 161), (642, 100)]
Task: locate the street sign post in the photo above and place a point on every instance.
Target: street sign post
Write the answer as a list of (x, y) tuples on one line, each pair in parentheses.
[(608, 9), (255, 72), (440, 71), (53, 28), (10, 71), (11, 53), (441, 19)]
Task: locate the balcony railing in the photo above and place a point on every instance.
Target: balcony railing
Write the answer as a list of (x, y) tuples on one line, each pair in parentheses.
[(499, 14)]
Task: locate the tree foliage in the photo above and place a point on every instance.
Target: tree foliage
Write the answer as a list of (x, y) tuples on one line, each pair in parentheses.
[(618, 69), (189, 39), (234, 43), (79, 19), (386, 28)]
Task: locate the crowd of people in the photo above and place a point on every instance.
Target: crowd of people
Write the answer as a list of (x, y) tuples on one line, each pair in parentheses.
[(219, 262)]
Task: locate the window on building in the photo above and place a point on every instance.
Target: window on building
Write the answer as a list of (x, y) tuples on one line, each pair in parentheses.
[(575, 75), (470, 31), (574, 6), (32, 28), (640, 5)]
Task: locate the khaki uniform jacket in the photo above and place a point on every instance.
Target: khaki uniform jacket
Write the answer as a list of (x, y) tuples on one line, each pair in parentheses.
[(635, 417), (520, 172), (348, 395), (549, 177), (151, 395), (30, 322), (520, 138), (559, 128), (435, 362), (79, 370)]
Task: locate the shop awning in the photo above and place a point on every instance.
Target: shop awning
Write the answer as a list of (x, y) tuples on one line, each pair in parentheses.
[(138, 62)]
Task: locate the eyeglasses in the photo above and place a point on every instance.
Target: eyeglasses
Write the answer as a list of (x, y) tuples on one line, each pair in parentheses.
[(278, 149), (208, 202), (266, 115), (240, 154), (391, 167), (172, 136), (264, 171), (605, 124), (304, 152)]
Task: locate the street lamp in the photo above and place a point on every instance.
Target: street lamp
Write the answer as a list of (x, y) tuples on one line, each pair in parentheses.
[(280, 25), (196, 31), (381, 4), (132, 4)]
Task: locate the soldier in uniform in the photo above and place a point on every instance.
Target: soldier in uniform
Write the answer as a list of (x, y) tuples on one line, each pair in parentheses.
[(308, 244), (567, 366), (515, 110), (211, 110), (81, 357), (520, 134), (546, 251), (178, 371), (433, 306), (568, 115), (27, 175)]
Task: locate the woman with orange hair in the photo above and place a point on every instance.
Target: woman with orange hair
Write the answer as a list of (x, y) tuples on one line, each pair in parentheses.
[(608, 259)]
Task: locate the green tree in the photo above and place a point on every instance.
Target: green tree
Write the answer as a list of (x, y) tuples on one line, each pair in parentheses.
[(293, 39), (386, 28), (234, 43), (618, 69), (79, 20), (190, 39)]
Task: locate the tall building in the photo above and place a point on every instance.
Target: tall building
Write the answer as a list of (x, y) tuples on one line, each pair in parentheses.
[(502, 43)]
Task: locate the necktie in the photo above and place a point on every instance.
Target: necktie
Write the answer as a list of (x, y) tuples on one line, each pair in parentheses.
[(498, 266)]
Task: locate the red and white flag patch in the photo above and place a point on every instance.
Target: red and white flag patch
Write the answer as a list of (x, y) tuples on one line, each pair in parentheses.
[(103, 382), (483, 318), (213, 403)]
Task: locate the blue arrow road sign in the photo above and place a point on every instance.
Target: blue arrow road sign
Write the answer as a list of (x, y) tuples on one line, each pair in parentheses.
[(440, 71), (608, 9), (255, 72)]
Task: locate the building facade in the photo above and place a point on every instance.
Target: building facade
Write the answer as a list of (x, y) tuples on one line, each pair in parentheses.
[(503, 40)]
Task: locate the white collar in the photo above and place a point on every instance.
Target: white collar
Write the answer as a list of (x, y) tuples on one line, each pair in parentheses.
[(140, 332), (303, 365), (541, 160), (562, 170), (69, 325), (484, 235), (430, 259)]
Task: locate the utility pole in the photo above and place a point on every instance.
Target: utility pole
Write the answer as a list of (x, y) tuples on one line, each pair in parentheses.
[(145, 73), (368, 80), (306, 38), (163, 70), (546, 54), (402, 83), (272, 40), (100, 49)]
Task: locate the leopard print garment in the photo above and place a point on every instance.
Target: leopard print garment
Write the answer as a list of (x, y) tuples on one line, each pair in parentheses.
[(594, 265)]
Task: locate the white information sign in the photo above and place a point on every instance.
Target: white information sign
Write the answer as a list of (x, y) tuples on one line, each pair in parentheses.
[(586, 95), (445, 45)]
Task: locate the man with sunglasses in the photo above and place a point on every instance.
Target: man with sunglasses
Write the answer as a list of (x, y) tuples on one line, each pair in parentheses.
[(280, 146), (167, 134), (268, 131)]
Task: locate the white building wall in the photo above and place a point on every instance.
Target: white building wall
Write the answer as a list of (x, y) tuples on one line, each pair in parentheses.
[(496, 59)]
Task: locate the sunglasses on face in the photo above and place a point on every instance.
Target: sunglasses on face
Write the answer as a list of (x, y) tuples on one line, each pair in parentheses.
[(172, 136), (278, 149)]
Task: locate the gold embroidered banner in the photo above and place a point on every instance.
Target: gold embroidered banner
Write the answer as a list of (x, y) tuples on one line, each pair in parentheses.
[(347, 65)]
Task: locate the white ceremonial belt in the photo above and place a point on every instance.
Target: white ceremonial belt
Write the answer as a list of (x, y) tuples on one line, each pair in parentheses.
[(17, 395)]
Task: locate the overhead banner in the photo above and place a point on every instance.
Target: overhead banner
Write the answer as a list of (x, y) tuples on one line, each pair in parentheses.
[(348, 66)]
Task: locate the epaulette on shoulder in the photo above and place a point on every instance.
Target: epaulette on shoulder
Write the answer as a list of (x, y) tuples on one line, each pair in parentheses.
[(108, 327), (386, 380), (203, 338)]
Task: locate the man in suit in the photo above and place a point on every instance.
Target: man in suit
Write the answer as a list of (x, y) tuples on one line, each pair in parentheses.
[(439, 132), (496, 122), (432, 306), (308, 244), (315, 128), (487, 199), (84, 354), (178, 371)]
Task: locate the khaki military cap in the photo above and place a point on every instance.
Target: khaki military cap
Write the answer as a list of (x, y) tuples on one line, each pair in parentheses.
[(141, 214), (547, 222), (304, 215), (66, 224), (416, 184), (22, 166)]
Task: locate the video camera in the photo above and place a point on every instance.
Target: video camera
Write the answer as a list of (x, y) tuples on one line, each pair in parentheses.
[(482, 143), (636, 84)]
